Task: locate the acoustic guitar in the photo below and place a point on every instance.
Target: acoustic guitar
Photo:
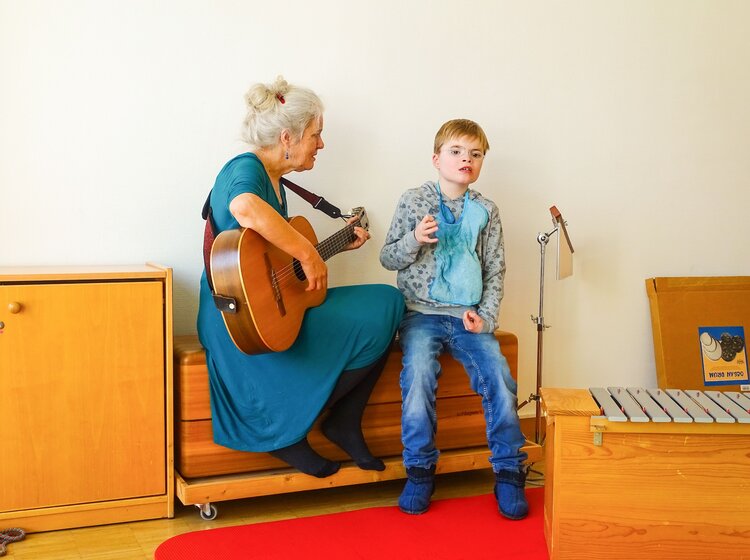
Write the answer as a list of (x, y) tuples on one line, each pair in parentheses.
[(265, 287)]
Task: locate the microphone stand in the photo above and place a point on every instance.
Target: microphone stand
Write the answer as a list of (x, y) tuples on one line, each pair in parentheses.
[(542, 239)]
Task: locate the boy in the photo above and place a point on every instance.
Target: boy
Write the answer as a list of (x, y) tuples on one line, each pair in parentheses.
[(446, 243)]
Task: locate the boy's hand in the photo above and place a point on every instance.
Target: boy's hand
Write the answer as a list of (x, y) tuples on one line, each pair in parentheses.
[(426, 228), (473, 322)]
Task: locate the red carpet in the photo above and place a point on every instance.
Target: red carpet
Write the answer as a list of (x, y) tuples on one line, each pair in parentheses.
[(454, 529)]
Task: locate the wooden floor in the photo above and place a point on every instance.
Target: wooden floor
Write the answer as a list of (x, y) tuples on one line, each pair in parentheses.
[(136, 541)]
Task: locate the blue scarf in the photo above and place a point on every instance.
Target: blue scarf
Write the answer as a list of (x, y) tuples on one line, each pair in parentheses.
[(458, 272)]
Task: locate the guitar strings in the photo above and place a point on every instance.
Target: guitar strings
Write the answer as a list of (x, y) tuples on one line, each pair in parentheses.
[(337, 242)]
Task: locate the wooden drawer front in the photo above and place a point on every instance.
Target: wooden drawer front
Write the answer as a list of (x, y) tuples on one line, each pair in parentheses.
[(82, 376), (191, 377), (460, 424), (192, 397)]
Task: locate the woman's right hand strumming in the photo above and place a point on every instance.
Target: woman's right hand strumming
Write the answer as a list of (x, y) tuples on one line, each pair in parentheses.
[(252, 212), (316, 271)]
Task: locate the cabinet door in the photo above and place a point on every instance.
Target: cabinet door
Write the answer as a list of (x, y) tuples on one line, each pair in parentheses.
[(82, 393)]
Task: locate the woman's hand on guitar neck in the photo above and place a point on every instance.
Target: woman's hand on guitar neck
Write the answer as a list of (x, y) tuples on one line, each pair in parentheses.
[(362, 235)]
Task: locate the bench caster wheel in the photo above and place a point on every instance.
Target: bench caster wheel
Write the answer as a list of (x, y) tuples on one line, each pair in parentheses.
[(208, 512)]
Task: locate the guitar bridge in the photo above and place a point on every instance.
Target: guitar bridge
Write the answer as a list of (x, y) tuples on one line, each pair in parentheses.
[(275, 286)]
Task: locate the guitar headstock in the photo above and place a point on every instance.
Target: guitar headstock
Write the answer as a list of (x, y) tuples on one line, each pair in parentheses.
[(361, 214)]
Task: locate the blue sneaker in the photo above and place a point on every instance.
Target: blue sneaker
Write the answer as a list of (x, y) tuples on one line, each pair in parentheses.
[(509, 492), (420, 484)]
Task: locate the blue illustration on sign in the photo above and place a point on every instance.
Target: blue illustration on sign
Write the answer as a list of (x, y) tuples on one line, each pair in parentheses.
[(724, 355)]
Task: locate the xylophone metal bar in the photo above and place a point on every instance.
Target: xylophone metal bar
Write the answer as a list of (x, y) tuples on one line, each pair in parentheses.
[(667, 403), (609, 407), (628, 404), (655, 412), (726, 403), (690, 406), (741, 399), (717, 413)]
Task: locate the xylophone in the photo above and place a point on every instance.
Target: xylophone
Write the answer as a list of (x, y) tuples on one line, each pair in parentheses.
[(647, 473), (635, 404)]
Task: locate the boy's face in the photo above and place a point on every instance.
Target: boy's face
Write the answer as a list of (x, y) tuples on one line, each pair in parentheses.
[(459, 161)]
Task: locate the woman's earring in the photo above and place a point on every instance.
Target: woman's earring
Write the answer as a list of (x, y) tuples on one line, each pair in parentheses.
[(286, 155)]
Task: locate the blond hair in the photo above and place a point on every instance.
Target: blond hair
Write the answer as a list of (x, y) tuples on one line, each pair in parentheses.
[(273, 108), (458, 128)]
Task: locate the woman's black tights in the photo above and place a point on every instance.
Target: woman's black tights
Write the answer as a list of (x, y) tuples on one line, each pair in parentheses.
[(343, 426)]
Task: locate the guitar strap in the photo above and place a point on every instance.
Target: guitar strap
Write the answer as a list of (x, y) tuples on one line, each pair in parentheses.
[(228, 304), (317, 202), (209, 234)]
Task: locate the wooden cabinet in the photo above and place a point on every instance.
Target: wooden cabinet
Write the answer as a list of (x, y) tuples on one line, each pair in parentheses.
[(626, 490), (85, 395)]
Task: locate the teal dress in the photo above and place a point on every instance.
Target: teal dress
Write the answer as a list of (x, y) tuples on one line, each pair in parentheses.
[(268, 401)]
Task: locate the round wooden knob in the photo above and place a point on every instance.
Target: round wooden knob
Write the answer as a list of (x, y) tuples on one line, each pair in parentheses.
[(14, 307)]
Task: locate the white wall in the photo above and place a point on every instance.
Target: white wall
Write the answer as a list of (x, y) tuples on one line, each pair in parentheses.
[(631, 116)]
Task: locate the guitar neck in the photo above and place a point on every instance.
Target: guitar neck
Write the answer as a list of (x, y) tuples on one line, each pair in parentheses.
[(336, 243)]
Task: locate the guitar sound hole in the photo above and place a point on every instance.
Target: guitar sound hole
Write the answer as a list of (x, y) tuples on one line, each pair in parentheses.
[(298, 272)]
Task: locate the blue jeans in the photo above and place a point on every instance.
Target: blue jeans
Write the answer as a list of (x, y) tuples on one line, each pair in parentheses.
[(423, 338)]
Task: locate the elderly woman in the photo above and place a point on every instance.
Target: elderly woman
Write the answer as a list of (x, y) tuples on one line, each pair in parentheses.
[(269, 402)]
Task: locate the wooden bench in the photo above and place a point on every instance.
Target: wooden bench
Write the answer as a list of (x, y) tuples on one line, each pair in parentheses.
[(207, 472)]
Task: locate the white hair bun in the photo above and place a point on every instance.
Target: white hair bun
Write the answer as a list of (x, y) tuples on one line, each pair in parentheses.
[(262, 97)]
